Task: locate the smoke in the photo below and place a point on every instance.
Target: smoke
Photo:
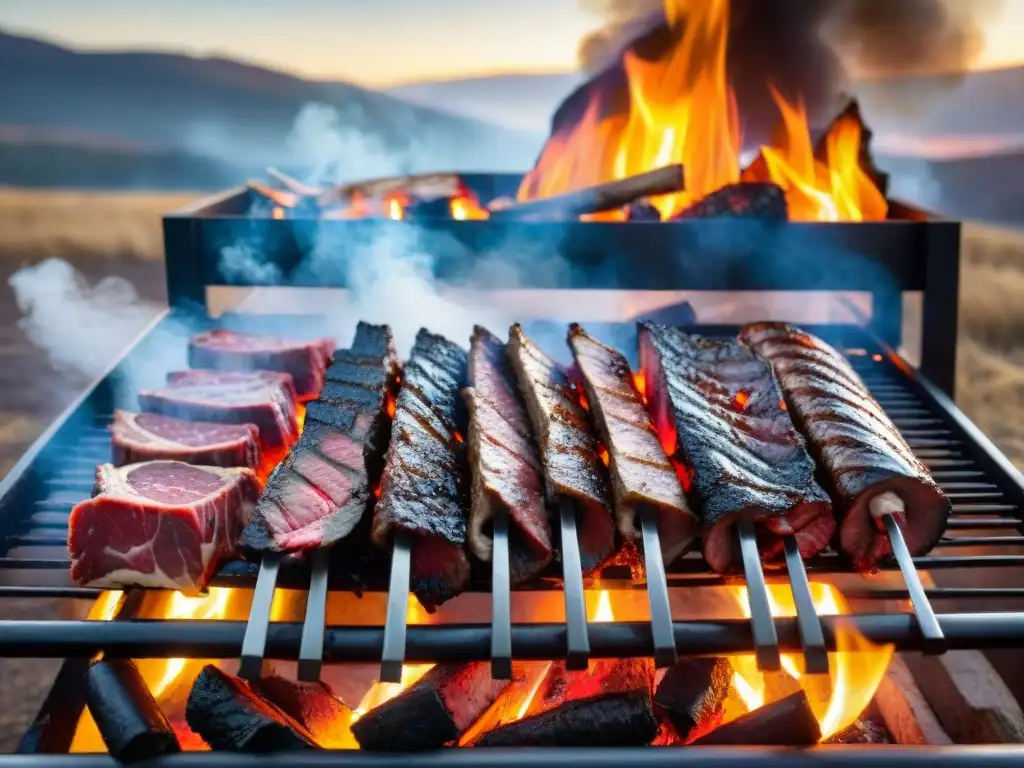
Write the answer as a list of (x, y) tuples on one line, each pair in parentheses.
[(810, 50), (82, 328)]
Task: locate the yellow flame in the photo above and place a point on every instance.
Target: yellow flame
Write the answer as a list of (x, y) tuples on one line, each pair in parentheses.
[(213, 606)]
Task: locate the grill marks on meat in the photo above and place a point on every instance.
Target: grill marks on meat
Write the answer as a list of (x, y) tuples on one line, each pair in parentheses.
[(423, 491), (859, 450), (160, 524), (305, 361), (318, 494), (505, 465), (720, 407), (573, 470), (264, 398), (138, 437), (641, 474)]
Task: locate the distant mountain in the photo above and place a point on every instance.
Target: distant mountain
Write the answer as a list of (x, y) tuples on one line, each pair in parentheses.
[(524, 102), (238, 114)]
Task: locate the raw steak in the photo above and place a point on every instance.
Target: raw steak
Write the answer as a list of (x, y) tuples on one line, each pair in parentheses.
[(139, 437), (306, 361), (264, 398), (318, 494), (160, 524)]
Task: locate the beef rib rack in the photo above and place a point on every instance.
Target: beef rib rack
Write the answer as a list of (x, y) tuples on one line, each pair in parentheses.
[(159, 524)]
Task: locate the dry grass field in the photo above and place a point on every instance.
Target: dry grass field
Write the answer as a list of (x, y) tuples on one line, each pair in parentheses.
[(120, 233)]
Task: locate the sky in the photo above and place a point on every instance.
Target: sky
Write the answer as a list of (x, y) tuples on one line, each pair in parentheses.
[(373, 42)]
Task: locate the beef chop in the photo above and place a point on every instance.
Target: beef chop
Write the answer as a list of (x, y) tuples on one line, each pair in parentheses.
[(306, 361), (159, 524), (264, 398), (138, 437)]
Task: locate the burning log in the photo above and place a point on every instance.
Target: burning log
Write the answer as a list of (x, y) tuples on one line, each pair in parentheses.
[(230, 715), (608, 720), (747, 200), (434, 711), (601, 678), (314, 706), (787, 722), (692, 692), (643, 210), (126, 714), (603, 197)]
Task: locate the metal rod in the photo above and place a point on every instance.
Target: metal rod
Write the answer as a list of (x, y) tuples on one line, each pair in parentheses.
[(838, 756), (941, 593), (392, 657), (71, 593), (811, 636), (311, 649), (665, 654), (577, 640), (762, 625), (931, 632), (501, 600), (141, 639), (255, 642)]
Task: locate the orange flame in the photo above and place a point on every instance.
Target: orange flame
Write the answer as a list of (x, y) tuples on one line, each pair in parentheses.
[(395, 208), (856, 668), (466, 207), (681, 109), (740, 400), (278, 212)]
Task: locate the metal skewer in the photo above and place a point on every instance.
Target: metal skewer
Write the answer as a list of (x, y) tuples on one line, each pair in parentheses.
[(254, 642), (812, 639), (311, 648), (577, 635), (665, 654), (393, 652), (931, 632), (501, 601), (762, 625)]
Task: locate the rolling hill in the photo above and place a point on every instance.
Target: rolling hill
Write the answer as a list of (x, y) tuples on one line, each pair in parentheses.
[(234, 114)]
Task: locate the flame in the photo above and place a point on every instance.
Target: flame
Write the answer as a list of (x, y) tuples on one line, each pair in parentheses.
[(603, 453), (278, 212), (395, 208), (105, 607), (389, 405), (213, 606), (640, 383), (856, 669), (681, 109), (465, 207), (740, 400)]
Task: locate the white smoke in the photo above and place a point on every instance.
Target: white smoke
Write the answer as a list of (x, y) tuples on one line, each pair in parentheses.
[(82, 328)]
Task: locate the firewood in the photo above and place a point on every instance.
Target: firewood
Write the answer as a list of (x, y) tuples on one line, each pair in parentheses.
[(787, 722), (292, 184), (279, 197), (970, 698), (745, 200), (596, 199), (906, 713)]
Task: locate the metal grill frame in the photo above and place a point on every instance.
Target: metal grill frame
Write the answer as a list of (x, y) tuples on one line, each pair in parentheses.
[(913, 254)]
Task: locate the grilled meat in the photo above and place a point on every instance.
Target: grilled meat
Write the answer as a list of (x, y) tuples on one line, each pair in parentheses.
[(718, 409), (504, 461), (641, 474), (422, 491), (318, 494), (867, 465), (573, 470)]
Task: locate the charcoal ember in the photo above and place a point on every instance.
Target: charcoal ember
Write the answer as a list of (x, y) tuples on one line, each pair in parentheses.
[(313, 705), (691, 693), (746, 200), (126, 714), (228, 714), (601, 677), (786, 722), (434, 711), (642, 210), (863, 731), (624, 719)]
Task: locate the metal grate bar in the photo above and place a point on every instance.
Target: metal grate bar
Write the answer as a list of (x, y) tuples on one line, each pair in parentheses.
[(665, 654), (811, 637), (577, 634), (255, 642), (395, 620), (311, 648), (762, 625), (501, 600)]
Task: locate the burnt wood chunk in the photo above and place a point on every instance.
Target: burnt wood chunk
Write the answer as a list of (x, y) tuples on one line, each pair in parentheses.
[(314, 706), (228, 714), (607, 720), (126, 714), (746, 200), (692, 692), (434, 711), (907, 715), (787, 722)]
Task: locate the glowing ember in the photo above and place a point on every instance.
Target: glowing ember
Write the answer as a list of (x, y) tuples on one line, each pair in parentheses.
[(603, 453), (682, 110), (740, 400), (856, 668), (466, 207), (395, 209), (641, 385), (278, 212), (389, 405)]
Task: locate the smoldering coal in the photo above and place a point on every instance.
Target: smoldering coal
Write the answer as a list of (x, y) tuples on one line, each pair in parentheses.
[(805, 49)]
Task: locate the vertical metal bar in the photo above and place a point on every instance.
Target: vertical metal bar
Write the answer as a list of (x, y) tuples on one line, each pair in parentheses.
[(665, 654), (762, 625), (577, 635), (941, 301), (811, 637), (393, 656), (254, 642), (501, 600), (934, 640), (311, 649)]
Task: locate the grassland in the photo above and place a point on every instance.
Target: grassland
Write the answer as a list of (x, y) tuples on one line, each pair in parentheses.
[(121, 231)]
